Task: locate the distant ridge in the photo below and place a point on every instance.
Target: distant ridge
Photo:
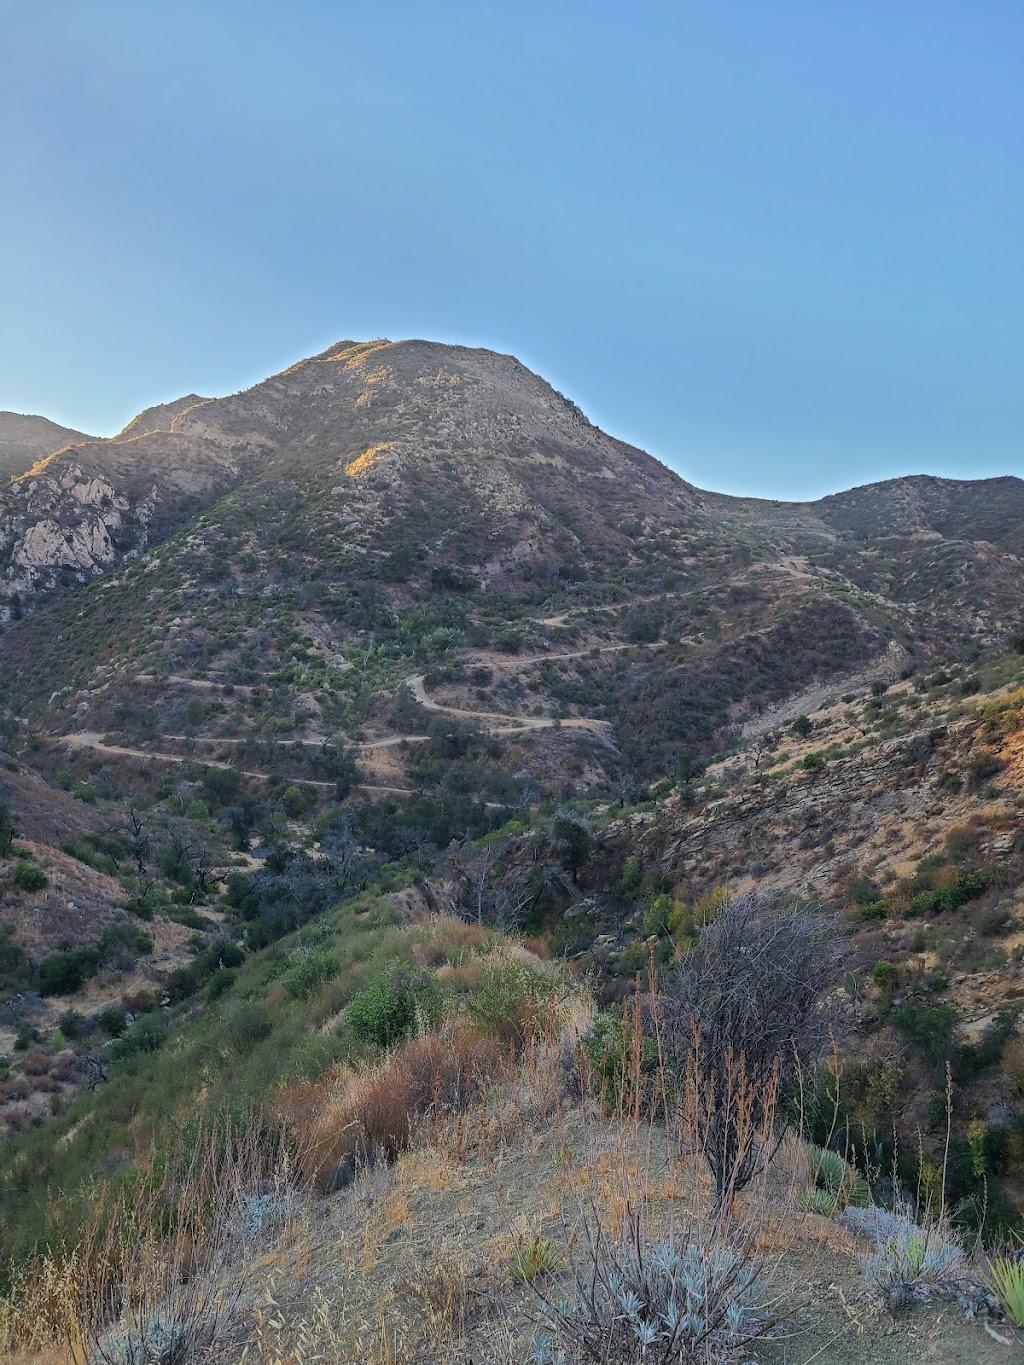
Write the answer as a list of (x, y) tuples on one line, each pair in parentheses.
[(25, 438)]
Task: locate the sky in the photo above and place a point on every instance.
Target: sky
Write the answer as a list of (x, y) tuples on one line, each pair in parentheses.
[(777, 243)]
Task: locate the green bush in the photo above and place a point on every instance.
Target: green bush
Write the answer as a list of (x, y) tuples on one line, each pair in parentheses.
[(111, 1020), (928, 1027), (509, 998), (981, 766), (294, 802), (885, 976), (311, 970), (968, 887), (30, 878), (624, 1067), (389, 1008), (64, 973), (148, 1035), (13, 958)]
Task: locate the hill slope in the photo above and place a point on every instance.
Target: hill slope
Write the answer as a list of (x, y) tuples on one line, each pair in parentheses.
[(25, 439), (384, 510)]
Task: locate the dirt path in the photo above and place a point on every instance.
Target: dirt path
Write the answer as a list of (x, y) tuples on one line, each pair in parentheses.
[(317, 743), (509, 725), (563, 616), (514, 663), (205, 683), (93, 739)]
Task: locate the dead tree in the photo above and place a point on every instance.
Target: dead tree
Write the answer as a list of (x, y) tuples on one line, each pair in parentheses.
[(741, 1012)]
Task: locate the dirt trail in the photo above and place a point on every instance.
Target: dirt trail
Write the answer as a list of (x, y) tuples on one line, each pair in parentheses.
[(205, 683), (515, 663), (563, 616), (510, 725), (93, 739), (318, 742)]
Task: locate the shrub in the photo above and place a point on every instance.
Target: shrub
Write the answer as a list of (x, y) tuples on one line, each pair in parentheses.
[(815, 762), (30, 878), (111, 1020), (313, 968), (357, 1115), (885, 975), (294, 802), (509, 1001), (625, 1071), (389, 1008), (635, 1299), (14, 961), (739, 1012), (148, 1035), (928, 1027), (981, 766), (64, 973)]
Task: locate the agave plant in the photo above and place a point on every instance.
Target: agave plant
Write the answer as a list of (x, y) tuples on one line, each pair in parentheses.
[(836, 1184)]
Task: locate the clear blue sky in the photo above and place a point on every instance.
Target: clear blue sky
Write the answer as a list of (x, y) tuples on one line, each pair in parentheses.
[(778, 243)]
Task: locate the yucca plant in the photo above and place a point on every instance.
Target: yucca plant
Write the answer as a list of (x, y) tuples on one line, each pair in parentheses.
[(836, 1184), (536, 1256), (1006, 1280)]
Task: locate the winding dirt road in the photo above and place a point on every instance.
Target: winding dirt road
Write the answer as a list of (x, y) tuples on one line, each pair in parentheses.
[(93, 739), (509, 725)]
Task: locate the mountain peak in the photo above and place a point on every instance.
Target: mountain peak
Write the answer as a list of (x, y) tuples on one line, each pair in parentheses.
[(26, 437)]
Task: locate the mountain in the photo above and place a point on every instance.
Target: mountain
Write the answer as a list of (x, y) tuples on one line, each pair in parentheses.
[(311, 695), (990, 510), (387, 510), (25, 439)]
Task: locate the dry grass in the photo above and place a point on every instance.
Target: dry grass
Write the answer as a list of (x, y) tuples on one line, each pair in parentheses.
[(448, 940), (357, 1115), (167, 1255)]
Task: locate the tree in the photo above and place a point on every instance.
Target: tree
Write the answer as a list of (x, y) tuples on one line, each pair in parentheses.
[(489, 889), (739, 1015), (573, 842), (8, 831)]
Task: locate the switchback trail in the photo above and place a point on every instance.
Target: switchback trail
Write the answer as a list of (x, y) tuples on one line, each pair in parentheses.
[(509, 725), (93, 739)]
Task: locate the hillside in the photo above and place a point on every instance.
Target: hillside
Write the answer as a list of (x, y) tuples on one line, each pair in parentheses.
[(390, 716), (25, 439), (391, 510)]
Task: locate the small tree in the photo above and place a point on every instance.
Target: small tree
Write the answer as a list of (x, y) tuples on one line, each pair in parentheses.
[(573, 843), (8, 831), (739, 1014)]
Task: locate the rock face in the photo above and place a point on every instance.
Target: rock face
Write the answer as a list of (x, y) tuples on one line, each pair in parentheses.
[(25, 439)]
